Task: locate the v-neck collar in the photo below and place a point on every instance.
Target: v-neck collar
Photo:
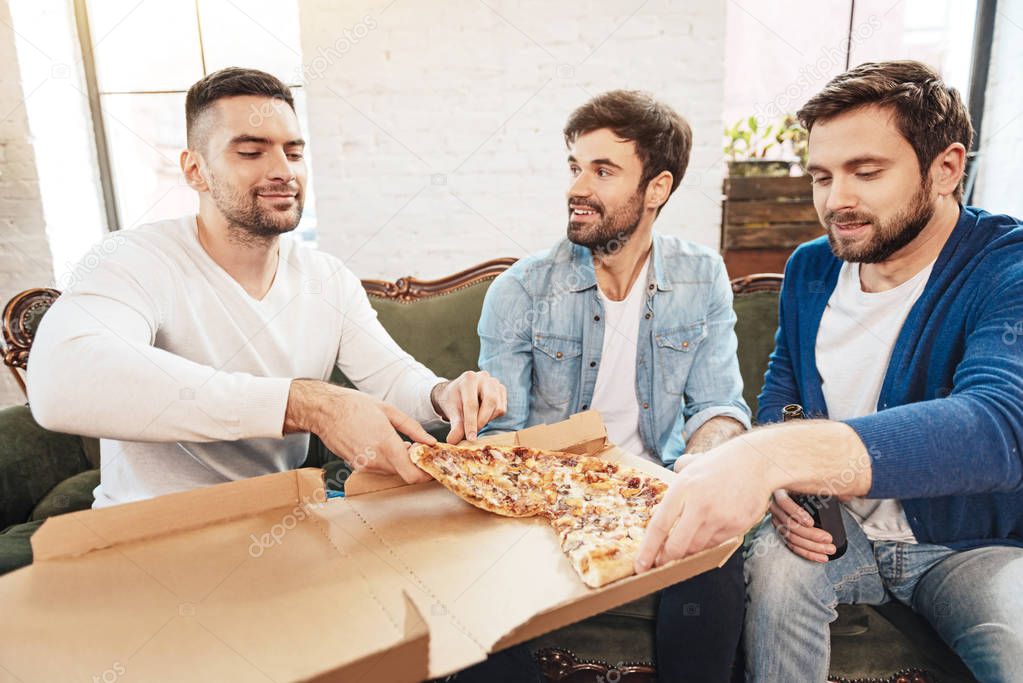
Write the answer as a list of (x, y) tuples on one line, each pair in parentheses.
[(267, 297)]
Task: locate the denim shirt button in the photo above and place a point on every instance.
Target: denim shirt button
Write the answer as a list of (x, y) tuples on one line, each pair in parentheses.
[(646, 406), (649, 315), (593, 363), (596, 318), (586, 406), (559, 354)]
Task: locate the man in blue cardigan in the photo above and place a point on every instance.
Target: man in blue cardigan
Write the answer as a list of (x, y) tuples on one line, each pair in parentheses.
[(901, 333)]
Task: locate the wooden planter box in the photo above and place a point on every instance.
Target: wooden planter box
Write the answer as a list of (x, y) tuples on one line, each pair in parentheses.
[(764, 220)]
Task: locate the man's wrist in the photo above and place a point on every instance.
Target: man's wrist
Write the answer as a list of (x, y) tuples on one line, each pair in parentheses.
[(435, 393), (304, 407)]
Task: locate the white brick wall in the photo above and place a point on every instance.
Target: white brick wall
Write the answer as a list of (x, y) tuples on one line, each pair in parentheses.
[(436, 127), (1001, 146), (24, 251)]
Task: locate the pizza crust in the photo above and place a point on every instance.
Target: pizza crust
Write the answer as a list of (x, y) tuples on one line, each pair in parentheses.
[(600, 571)]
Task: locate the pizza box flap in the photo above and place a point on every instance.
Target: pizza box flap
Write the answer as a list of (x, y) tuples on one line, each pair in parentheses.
[(239, 581), (583, 433), (484, 581)]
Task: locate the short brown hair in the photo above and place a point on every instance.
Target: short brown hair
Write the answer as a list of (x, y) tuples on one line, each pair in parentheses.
[(928, 113), (663, 139), (232, 81)]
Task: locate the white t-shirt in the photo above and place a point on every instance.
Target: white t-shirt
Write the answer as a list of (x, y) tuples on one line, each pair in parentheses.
[(185, 377), (854, 344), (614, 394)]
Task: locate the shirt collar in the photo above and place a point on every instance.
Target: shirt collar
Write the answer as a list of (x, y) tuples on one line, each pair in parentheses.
[(581, 259)]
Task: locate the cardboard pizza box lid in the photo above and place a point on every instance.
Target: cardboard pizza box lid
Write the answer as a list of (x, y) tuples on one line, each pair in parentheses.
[(236, 582)]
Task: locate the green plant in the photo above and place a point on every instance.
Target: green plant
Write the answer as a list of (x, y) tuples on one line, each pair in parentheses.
[(747, 140)]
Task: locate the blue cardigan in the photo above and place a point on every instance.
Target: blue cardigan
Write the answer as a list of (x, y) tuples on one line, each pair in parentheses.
[(948, 430)]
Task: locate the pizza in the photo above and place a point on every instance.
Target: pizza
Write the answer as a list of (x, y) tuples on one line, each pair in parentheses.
[(599, 509)]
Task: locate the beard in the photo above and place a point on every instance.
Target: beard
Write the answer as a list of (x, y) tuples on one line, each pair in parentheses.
[(888, 236), (612, 231), (247, 218)]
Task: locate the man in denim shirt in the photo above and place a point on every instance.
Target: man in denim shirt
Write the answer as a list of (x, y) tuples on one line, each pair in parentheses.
[(636, 325)]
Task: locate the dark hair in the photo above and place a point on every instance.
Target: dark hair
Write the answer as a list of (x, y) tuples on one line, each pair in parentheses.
[(663, 139), (928, 113), (230, 82)]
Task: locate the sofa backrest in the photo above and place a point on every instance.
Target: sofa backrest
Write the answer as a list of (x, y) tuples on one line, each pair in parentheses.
[(756, 312), (440, 330)]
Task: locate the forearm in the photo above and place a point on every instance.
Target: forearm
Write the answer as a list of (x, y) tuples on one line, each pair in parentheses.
[(103, 386), (809, 456), (713, 433)]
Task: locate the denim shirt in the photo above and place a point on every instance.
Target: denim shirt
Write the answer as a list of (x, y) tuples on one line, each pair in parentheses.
[(542, 330)]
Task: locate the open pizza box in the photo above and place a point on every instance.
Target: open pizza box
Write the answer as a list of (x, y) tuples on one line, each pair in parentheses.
[(267, 579)]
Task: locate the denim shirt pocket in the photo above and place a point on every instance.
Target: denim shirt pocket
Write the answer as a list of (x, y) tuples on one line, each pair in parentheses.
[(557, 362), (675, 351)]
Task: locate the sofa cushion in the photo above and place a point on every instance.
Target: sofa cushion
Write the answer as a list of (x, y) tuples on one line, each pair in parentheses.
[(439, 331), (15, 547), (757, 321), (32, 461), (74, 493)]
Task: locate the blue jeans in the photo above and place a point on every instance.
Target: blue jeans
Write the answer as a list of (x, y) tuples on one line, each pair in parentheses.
[(972, 598)]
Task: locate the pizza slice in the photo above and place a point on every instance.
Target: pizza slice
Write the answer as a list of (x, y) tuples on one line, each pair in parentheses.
[(598, 508), (601, 514), (509, 482)]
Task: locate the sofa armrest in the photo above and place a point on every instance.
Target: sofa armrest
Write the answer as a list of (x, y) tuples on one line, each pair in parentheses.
[(32, 461)]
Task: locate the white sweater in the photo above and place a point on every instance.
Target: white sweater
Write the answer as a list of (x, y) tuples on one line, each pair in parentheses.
[(185, 377)]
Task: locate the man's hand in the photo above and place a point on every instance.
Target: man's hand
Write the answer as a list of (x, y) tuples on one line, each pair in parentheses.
[(468, 402), (795, 525), (725, 492), (716, 496), (356, 426)]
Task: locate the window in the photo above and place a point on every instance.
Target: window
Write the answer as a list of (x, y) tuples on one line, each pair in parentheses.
[(146, 55), (778, 57)]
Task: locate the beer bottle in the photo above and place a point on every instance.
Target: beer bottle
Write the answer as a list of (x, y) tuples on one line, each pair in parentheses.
[(825, 510)]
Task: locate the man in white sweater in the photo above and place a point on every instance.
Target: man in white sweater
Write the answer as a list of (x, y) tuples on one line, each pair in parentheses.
[(198, 348)]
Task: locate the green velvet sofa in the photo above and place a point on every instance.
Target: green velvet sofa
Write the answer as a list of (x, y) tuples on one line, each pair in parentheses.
[(43, 473)]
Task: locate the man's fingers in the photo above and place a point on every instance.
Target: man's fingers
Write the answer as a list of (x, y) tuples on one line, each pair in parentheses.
[(657, 530), (795, 539), (791, 508), (397, 455), (680, 540), (801, 546), (502, 404), (794, 528), (469, 393), (807, 555), (487, 407), (407, 426), (456, 434)]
